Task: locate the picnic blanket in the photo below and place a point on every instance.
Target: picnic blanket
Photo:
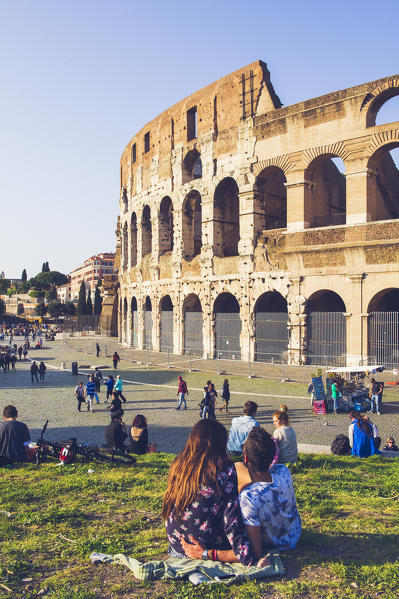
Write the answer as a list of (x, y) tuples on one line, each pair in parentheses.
[(195, 570)]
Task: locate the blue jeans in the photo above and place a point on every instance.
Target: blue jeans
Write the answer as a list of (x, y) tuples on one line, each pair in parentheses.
[(375, 403), (335, 402), (182, 400)]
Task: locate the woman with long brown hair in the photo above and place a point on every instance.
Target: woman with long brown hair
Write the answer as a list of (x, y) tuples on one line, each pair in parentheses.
[(200, 506)]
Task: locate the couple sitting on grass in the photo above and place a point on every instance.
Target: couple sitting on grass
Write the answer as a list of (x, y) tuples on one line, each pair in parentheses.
[(207, 518)]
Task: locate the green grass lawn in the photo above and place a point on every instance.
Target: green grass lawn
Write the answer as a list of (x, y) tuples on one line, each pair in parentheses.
[(60, 515)]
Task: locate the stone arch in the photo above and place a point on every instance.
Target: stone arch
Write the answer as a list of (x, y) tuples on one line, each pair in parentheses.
[(378, 96), (192, 225), (325, 193), (383, 178), (271, 193), (193, 324), (147, 323), (383, 328), (271, 330), (191, 166), (133, 240), (326, 329), (146, 232), (134, 322), (226, 218), (165, 226), (226, 311), (166, 324), (125, 246)]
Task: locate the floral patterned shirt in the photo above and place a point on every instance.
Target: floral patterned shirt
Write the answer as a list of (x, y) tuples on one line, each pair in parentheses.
[(214, 519)]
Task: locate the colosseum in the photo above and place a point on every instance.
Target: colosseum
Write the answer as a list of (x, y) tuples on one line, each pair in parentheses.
[(253, 231)]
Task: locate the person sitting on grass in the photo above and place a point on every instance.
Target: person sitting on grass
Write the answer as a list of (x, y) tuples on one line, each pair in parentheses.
[(361, 436), (115, 435), (139, 435), (240, 427), (285, 437), (200, 506), (391, 446), (14, 437), (267, 498)]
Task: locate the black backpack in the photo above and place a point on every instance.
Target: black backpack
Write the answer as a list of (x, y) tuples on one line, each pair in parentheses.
[(341, 445)]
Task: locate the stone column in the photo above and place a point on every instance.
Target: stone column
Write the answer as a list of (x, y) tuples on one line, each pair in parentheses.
[(296, 322), (361, 195), (140, 322), (354, 326), (156, 325), (177, 243), (252, 220), (208, 249), (178, 342), (299, 202), (208, 332)]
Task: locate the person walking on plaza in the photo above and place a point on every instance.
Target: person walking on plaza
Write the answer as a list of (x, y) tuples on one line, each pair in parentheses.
[(118, 388), (42, 370), (97, 379), (13, 359), (182, 391), (20, 349), (335, 395), (33, 371), (97, 349), (109, 383), (25, 352), (115, 360), (375, 396), (80, 394), (90, 393), (225, 395)]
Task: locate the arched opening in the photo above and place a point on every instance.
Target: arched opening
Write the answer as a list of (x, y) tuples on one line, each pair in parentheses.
[(125, 246), (134, 322), (226, 218), (226, 311), (384, 108), (192, 166), (383, 328), (326, 329), (166, 226), (20, 309), (133, 240), (271, 332), (325, 192), (147, 324), (125, 322), (166, 332), (383, 184), (193, 321), (271, 194), (146, 232), (192, 225)]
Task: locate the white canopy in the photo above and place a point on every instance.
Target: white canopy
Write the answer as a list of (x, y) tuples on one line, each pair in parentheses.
[(354, 369)]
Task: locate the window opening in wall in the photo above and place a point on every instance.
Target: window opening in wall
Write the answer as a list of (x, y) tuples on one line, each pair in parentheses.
[(326, 196), (192, 225), (147, 142), (192, 123), (192, 166), (226, 221), (247, 95), (166, 226), (215, 167), (389, 112), (134, 153), (383, 184)]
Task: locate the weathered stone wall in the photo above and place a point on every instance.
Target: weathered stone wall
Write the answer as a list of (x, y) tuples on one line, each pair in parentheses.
[(201, 201)]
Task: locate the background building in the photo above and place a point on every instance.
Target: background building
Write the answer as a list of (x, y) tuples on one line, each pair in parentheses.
[(261, 232), (91, 271)]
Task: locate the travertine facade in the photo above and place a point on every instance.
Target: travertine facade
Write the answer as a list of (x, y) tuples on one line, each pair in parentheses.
[(240, 235)]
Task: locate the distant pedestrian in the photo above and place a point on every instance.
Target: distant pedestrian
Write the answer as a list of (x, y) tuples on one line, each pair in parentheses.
[(115, 360), (33, 371), (20, 350), (118, 388), (42, 370), (25, 352), (80, 394), (13, 359), (182, 391), (97, 379), (91, 393), (97, 350), (225, 395), (109, 383)]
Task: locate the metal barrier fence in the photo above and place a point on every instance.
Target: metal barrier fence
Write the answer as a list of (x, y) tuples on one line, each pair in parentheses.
[(384, 337)]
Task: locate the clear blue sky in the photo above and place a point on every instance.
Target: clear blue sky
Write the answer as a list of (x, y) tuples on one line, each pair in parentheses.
[(79, 78)]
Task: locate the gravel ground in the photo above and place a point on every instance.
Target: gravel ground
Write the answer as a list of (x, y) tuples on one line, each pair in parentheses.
[(54, 400)]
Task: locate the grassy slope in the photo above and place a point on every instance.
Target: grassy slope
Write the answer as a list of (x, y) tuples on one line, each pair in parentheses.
[(348, 548)]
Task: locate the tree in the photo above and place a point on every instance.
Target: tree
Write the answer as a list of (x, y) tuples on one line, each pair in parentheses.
[(55, 309), (2, 307), (82, 306), (70, 308), (24, 276), (89, 303), (51, 294), (98, 303), (48, 280), (41, 309), (45, 267), (4, 285)]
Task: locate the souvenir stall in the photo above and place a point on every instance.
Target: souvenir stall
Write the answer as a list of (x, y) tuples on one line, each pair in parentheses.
[(353, 383)]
